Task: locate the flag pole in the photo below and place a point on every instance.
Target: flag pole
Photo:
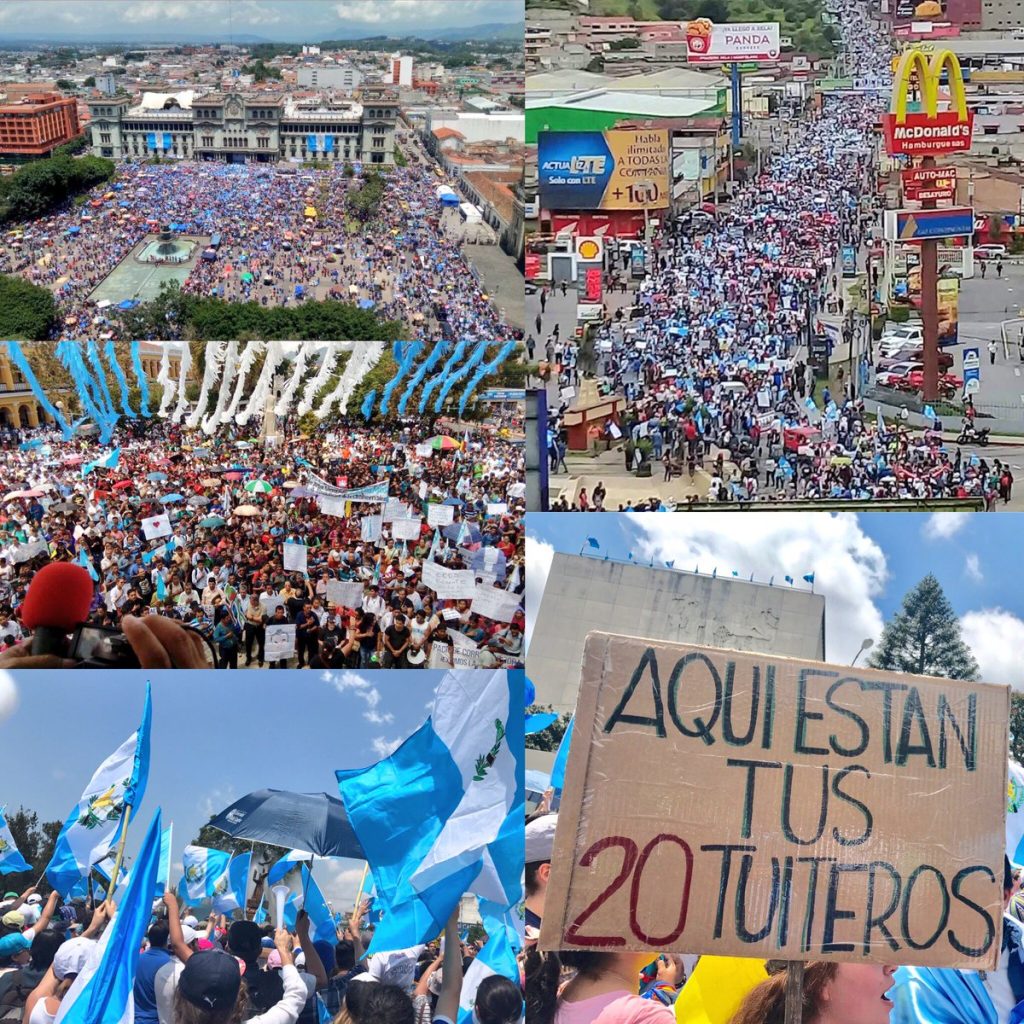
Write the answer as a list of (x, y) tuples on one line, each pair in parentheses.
[(120, 851), (362, 883)]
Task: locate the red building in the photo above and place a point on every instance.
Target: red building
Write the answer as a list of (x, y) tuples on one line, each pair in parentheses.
[(37, 125)]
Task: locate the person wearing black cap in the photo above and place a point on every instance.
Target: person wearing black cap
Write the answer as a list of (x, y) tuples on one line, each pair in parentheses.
[(210, 989)]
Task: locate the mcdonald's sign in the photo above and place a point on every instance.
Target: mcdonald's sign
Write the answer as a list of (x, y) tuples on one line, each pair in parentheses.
[(929, 131)]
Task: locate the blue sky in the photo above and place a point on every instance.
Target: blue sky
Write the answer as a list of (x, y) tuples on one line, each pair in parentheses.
[(215, 737), (278, 20), (863, 563)]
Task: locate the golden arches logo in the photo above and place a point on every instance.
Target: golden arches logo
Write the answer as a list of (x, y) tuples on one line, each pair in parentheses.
[(929, 73)]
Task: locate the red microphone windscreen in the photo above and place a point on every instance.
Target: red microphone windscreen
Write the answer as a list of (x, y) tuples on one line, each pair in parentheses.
[(59, 595)]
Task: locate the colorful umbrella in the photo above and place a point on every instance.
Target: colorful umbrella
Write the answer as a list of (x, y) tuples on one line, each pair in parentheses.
[(247, 510), (259, 487), (443, 443), (211, 521), (169, 499)]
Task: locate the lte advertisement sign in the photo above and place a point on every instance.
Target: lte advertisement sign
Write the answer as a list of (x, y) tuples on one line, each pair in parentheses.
[(615, 170)]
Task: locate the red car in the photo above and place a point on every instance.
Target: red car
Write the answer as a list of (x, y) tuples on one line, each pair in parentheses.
[(948, 382)]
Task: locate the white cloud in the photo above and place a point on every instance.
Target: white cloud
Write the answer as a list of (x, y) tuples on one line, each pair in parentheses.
[(538, 564), (996, 638), (8, 695), (972, 566), (352, 682), (849, 567), (339, 882), (382, 747), (943, 525), (217, 800), (374, 11)]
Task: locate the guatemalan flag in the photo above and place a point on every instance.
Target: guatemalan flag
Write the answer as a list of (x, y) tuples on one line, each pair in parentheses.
[(229, 891), (10, 859), (497, 957), (102, 993), (289, 862), (94, 824), (443, 814), (202, 869), (321, 920)]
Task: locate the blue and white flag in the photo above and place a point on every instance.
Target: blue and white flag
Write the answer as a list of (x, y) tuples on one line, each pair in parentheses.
[(109, 461), (161, 587), (102, 993), (437, 818), (86, 563), (202, 868), (929, 412), (94, 824), (497, 957), (562, 758), (105, 869), (288, 862), (321, 920), (229, 891), (163, 875), (10, 859)]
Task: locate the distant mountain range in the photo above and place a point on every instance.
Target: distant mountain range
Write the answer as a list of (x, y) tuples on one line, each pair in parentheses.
[(488, 31)]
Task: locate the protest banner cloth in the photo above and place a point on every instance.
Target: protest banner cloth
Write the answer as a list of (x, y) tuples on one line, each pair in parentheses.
[(157, 526), (344, 595), (294, 557), (804, 811), (440, 515), (280, 642)]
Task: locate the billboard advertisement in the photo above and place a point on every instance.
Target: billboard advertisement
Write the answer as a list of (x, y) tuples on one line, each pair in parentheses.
[(923, 183), (614, 170), (949, 310), (972, 371), (707, 43), (914, 225)]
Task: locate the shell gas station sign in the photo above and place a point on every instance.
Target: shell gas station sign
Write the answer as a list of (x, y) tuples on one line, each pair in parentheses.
[(929, 130)]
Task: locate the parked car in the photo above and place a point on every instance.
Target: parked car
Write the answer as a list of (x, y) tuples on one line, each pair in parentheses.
[(904, 332), (896, 375), (910, 355)]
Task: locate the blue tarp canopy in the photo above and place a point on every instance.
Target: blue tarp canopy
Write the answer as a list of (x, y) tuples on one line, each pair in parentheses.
[(127, 304), (74, 231), (366, 303)]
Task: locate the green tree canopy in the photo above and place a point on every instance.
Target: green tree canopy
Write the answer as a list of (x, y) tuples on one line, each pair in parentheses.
[(27, 311), (923, 637)]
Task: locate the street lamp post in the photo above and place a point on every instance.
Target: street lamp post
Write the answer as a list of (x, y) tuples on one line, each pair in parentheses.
[(865, 645)]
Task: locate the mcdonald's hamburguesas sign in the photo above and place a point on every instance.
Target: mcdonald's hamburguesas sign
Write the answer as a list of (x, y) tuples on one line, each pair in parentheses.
[(927, 131)]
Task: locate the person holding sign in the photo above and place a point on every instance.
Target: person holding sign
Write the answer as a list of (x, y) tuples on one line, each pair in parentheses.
[(833, 994)]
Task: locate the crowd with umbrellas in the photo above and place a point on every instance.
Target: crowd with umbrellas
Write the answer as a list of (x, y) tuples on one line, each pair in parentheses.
[(281, 239), (359, 545)]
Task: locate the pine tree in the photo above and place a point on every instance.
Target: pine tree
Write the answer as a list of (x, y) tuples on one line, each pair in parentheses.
[(923, 637)]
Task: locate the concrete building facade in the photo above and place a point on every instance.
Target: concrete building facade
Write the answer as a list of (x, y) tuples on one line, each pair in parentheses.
[(236, 128), (584, 594), (330, 76)]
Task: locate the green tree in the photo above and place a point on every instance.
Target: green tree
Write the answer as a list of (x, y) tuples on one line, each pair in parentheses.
[(923, 637), (90, 82), (65, 85), (713, 10), (27, 311), (35, 841), (549, 738), (1017, 726)]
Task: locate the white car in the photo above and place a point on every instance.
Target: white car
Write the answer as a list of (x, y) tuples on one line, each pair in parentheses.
[(903, 334), (989, 252)]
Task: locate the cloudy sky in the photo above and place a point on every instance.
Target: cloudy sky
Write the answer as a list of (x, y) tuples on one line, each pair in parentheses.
[(864, 565), (278, 20), (211, 744)]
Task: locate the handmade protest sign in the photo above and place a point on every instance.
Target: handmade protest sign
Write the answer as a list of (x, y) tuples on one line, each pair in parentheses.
[(341, 594), (157, 526), (440, 515), (791, 810), (280, 642), (496, 604), (449, 584), (369, 528), (405, 529), (294, 557)]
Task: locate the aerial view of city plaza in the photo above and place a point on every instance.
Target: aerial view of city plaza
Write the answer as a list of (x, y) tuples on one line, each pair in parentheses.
[(352, 169)]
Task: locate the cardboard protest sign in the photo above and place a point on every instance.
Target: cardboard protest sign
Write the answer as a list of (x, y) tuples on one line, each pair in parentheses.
[(395, 509), (280, 642), (743, 804), (440, 515), (344, 594), (294, 557), (157, 526)]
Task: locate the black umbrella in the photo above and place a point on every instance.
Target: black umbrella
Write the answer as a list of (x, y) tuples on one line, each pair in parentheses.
[(303, 821)]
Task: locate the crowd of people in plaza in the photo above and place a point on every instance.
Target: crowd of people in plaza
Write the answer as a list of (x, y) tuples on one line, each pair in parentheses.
[(715, 356), (283, 238), (219, 970), (416, 561)]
